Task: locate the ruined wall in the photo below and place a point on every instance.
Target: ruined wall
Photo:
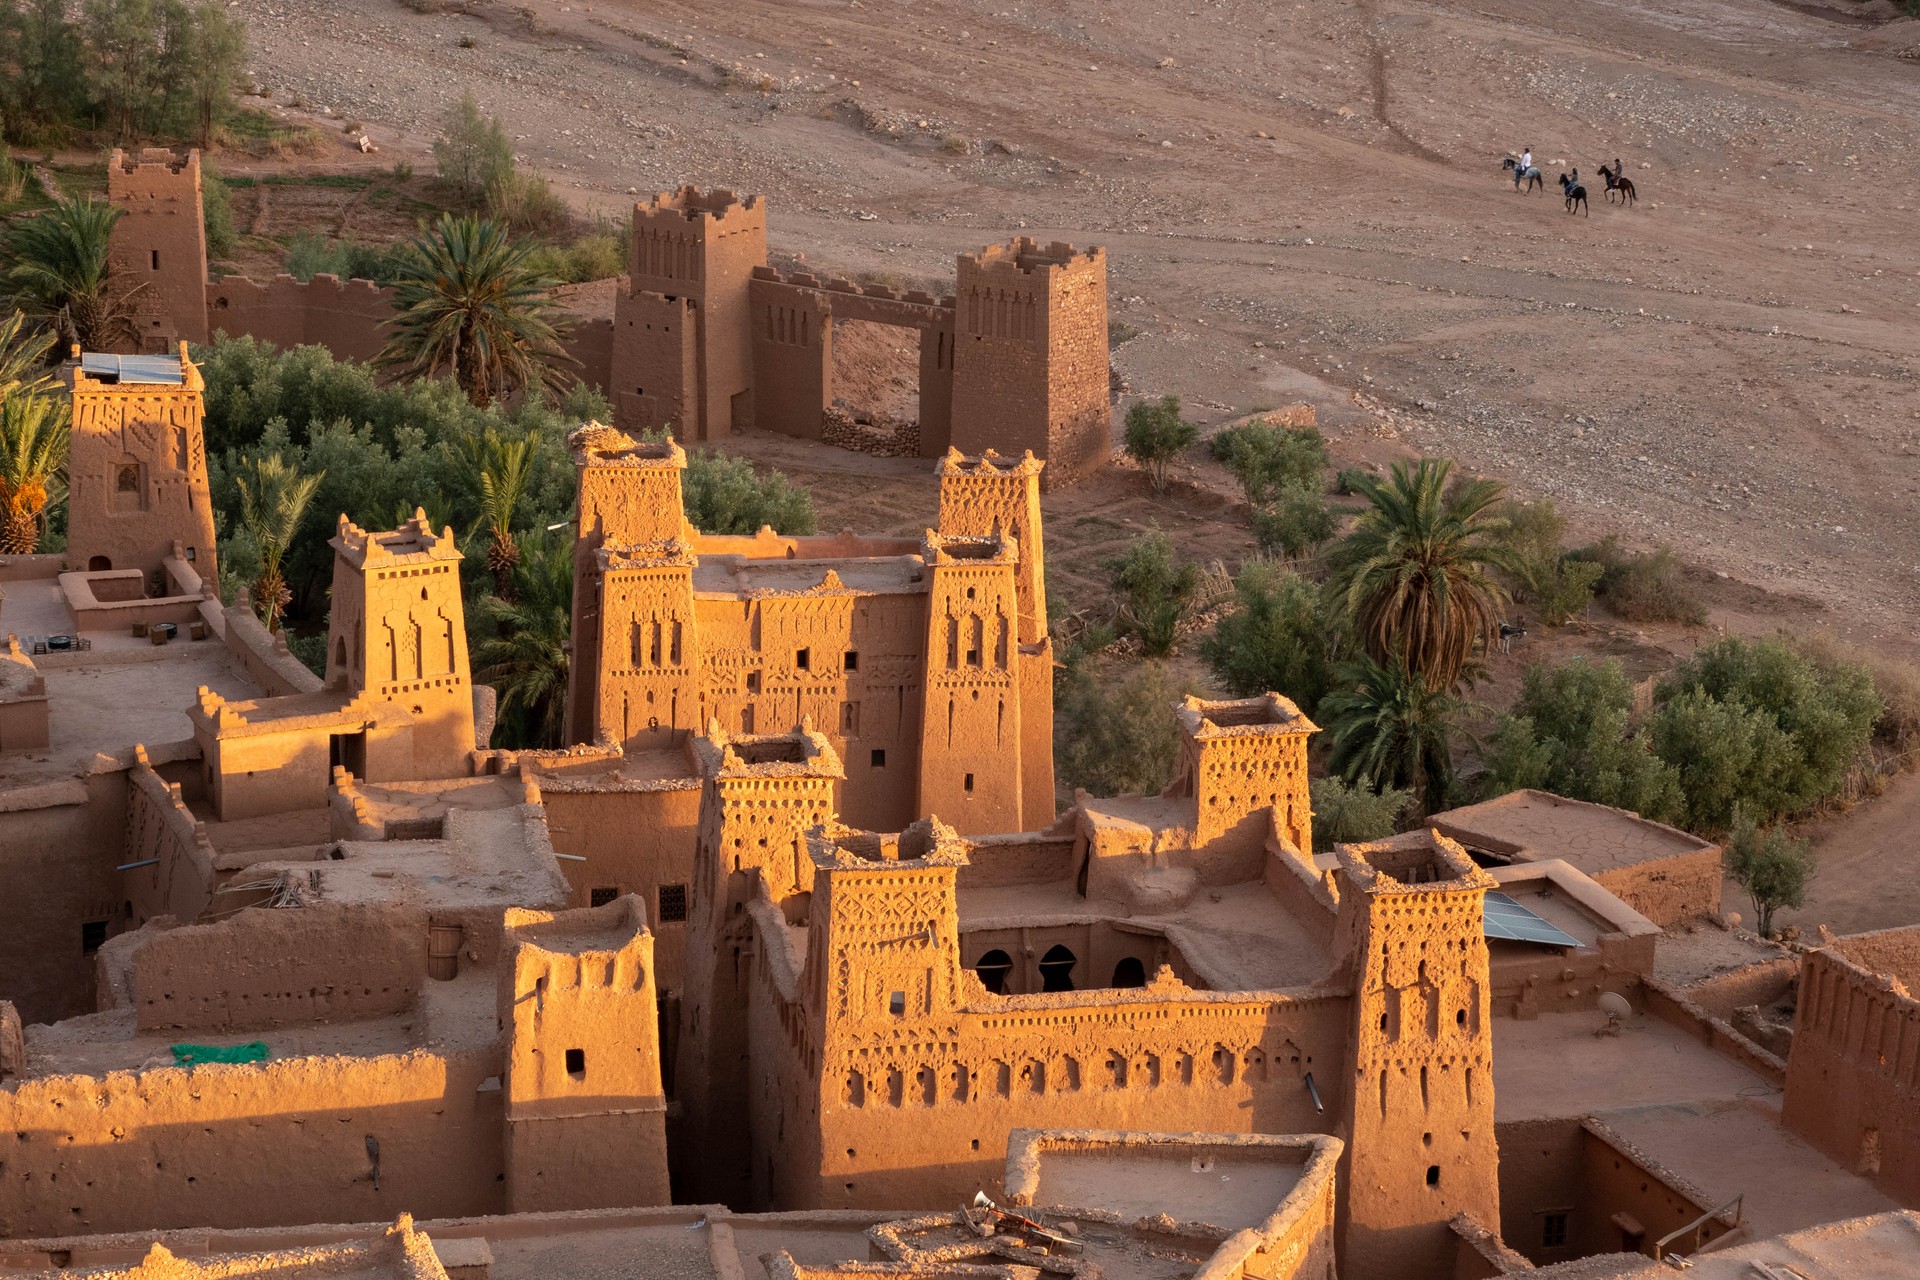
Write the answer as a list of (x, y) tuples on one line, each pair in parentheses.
[(162, 829), (59, 844), (1853, 1076), (350, 318), (1894, 952), (264, 968), (159, 244), (265, 1144)]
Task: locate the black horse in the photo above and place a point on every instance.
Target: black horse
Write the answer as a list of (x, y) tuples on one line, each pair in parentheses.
[(1576, 194), (1529, 175), (1617, 181)]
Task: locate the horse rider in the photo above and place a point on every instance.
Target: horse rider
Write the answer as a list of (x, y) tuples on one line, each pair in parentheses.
[(1526, 160)]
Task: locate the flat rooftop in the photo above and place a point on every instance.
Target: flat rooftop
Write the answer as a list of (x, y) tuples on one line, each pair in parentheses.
[(1223, 1187), (732, 575), (1536, 824), (1882, 1247), (1555, 1065)]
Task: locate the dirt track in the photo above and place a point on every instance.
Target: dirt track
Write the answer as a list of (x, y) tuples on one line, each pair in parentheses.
[(1729, 366)]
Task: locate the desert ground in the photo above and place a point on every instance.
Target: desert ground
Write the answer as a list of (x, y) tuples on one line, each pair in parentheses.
[(1304, 202)]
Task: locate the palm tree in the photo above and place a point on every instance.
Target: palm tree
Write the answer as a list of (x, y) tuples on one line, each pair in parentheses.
[(1414, 576), (23, 358), (472, 306), (63, 274), (271, 508), (526, 661), (503, 465), (33, 454), (1388, 727)]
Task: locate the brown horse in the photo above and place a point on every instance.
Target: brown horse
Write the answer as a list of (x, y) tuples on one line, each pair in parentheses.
[(1618, 181)]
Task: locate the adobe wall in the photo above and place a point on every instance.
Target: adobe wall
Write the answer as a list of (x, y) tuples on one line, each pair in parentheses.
[(1674, 1006), (916, 1122), (161, 829), (282, 1142), (264, 968), (350, 318), (590, 343), (1853, 1076), (59, 844), (1894, 952), (159, 243), (653, 354), (1619, 1181), (1541, 1172), (1670, 890), (1762, 983)]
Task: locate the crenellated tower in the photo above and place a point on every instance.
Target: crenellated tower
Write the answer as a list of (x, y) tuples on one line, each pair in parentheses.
[(1031, 356), (1419, 1115), (159, 244), (398, 634), (682, 358), (1240, 758)]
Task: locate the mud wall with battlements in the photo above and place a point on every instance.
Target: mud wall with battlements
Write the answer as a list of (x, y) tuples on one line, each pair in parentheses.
[(1853, 1076), (162, 832), (262, 969), (274, 1143), (350, 318)]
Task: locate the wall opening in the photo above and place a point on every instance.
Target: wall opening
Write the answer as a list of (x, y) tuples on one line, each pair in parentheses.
[(1056, 969), (992, 970), (876, 376), (1433, 1175), (99, 564), (897, 1004), (673, 902), (93, 935), (577, 1063), (1129, 973), (601, 895), (878, 759)]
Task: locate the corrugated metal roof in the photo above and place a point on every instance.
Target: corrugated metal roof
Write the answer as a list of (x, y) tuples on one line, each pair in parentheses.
[(160, 370)]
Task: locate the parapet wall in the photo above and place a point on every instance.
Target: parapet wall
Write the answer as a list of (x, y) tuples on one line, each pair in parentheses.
[(161, 830), (350, 318), (267, 968), (268, 661), (1853, 1076), (287, 1141)]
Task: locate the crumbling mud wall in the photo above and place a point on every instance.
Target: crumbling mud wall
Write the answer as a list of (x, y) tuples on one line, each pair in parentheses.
[(350, 318), (161, 830), (328, 1139), (1853, 1076), (265, 968)]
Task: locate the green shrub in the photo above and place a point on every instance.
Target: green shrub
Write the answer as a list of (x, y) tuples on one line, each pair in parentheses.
[(726, 495), (1117, 734), (594, 257), (1276, 638), (1155, 587), (216, 210), (1647, 586), (1268, 459), (312, 254), (1297, 523), (473, 152), (1772, 866), (1570, 733), (1347, 814), (1347, 482), (1755, 727), (1540, 570), (1896, 681), (1156, 435), (310, 649), (527, 202)]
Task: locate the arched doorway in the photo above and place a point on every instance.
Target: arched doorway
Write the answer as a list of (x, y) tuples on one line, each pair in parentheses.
[(1129, 973), (1056, 969), (992, 969), (99, 564)]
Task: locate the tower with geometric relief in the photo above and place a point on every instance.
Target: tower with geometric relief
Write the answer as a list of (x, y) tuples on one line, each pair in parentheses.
[(1240, 758), (1419, 1106), (137, 466), (971, 732), (398, 634)]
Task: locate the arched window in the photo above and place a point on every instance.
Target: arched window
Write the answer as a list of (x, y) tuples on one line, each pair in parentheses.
[(993, 969), (127, 479), (1056, 970), (1129, 973)]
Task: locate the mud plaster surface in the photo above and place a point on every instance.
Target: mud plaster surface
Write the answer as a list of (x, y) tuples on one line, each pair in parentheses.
[(1207, 1187), (1555, 1066)]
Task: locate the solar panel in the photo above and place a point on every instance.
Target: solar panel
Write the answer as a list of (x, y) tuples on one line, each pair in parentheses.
[(1507, 919), (162, 370)]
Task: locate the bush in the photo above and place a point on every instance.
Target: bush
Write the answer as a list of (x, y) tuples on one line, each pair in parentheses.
[(1348, 814), (1347, 482), (1118, 736), (526, 202), (1896, 682), (473, 152), (1156, 435), (1155, 587), (725, 495), (1540, 569), (1275, 638), (594, 257), (312, 254), (216, 208), (1296, 524), (1754, 727), (1643, 586), (1269, 459), (1772, 866), (1569, 733), (310, 649)]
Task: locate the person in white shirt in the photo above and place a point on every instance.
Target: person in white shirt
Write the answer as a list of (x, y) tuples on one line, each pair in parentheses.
[(1526, 159)]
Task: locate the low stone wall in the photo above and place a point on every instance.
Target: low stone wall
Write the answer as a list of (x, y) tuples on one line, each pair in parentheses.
[(1670, 1004), (883, 437)]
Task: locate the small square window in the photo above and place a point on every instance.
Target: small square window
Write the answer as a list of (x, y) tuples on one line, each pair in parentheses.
[(673, 902), (601, 896), (853, 660), (879, 758), (93, 934), (577, 1063), (1553, 1230), (803, 659), (897, 1004), (1433, 1175), (753, 682), (973, 657)]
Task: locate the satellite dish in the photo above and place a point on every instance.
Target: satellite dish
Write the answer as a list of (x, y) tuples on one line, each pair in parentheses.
[(1615, 1006)]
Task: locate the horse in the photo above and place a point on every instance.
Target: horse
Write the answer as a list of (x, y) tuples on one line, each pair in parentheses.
[(1616, 181), (1576, 194), (1530, 175)]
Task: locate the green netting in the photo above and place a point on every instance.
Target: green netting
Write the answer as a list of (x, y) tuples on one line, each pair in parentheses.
[(189, 1055)]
